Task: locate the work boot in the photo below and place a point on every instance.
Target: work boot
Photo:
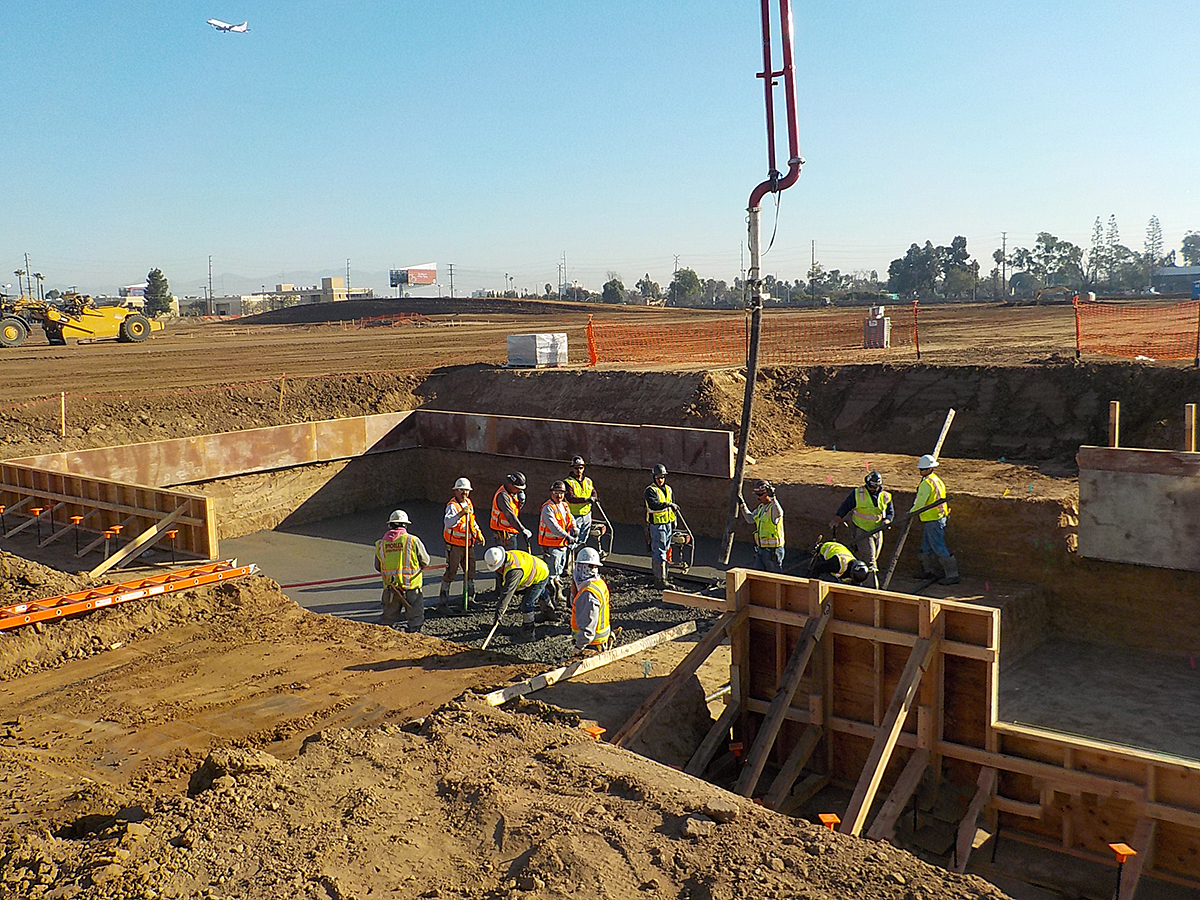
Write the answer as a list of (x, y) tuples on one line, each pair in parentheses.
[(527, 632), (657, 567), (928, 567), (950, 564), (443, 603)]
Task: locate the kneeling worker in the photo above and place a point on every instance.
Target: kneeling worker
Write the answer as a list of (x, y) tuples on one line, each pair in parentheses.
[(832, 558), (519, 571), (399, 558), (590, 607)]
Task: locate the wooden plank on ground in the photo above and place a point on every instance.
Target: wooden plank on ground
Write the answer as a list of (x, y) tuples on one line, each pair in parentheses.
[(504, 694), (966, 828), (884, 826), (1143, 842), (712, 741), (793, 766), (889, 731), (788, 683), (673, 682)]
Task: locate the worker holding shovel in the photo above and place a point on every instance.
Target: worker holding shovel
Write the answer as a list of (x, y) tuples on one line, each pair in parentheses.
[(461, 532)]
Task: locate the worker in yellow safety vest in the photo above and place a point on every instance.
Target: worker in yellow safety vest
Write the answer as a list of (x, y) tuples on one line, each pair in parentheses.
[(870, 509), (399, 558), (518, 571), (832, 561), (581, 494), (767, 519), (590, 605), (660, 518), (461, 533), (930, 491)]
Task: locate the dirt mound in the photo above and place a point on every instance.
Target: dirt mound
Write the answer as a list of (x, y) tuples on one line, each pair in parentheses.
[(477, 802), (424, 306)]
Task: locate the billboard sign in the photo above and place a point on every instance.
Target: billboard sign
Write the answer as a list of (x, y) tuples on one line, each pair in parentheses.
[(423, 274)]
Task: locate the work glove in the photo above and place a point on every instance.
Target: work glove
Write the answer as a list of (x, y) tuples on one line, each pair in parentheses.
[(673, 506), (528, 534), (834, 523), (595, 497)]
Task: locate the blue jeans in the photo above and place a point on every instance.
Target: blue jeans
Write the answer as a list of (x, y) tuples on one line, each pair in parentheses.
[(660, 540), (556, 558), (532, 595), (583, 524), (933, 538), (769, 559)]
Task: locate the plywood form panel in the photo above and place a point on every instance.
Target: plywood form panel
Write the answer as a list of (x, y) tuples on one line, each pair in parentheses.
[(1177, 786), (1176, 850), (965, 702)]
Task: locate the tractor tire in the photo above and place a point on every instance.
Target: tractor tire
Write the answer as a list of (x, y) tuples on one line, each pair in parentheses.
[(134, 329), (13, 332)]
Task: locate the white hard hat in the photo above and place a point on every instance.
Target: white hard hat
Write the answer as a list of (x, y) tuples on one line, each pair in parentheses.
[(588, 557), (398, 517), (493, 558), (928, 461), (463, 484)]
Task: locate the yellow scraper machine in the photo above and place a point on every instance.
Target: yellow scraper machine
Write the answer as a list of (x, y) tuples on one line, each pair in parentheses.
[(74, 316)]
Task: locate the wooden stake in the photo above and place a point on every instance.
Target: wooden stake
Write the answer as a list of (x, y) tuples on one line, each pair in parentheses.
[(1114, 423), (62, 412), (281, 380), (1189, 428)]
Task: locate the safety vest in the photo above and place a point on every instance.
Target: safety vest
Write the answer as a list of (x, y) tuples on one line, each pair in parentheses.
[(457, 535), (662, 516), (598, 589), (533, 568), (398, 562), (499, 523), (868, 512), (581, 488), (931, 490), (766, 532), (562, 518), (830, 549)]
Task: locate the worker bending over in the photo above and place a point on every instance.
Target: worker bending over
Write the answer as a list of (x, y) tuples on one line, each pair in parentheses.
[(660, 517), (505, 523), (767, 519), (556, 531), (518, 571), (460, 532), (581, 494), (399, 558), (590, 605), (835, 562), (932, 492), (871, 510)]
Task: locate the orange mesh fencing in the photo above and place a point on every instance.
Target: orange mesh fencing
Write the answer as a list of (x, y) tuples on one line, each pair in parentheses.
[(1152, 331), (790, 338)]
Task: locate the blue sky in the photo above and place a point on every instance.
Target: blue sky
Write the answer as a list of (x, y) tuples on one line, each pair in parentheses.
[(499, 136)]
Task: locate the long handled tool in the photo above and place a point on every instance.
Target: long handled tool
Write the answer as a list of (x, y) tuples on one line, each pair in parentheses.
[(500, 611), (937, 448), (602, 531)]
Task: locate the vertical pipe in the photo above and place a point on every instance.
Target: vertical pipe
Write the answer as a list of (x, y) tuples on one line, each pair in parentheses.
[(916, 331)]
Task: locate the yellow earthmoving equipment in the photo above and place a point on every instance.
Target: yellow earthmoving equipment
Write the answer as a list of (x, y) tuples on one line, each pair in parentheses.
[(79, 318)]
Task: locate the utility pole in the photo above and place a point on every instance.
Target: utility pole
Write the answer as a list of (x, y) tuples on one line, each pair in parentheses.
[(451, 265), (812, 268), (1004, 263), (563, 291), (347, 275), (210, 293)]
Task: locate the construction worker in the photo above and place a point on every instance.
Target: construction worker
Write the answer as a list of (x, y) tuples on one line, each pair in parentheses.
[(767, 519), (556, 532), (505, 523), (460, 532), (930, 491), (581, 494), (519, 571), (837, 560), (870, 509), (660, 518), (590, 605), (399, 558)]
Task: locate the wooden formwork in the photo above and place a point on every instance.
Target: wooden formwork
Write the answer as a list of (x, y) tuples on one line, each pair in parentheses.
[(880, 691), (142, 515)]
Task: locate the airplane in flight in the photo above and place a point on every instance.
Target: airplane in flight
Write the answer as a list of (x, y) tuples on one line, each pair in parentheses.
[(226, 27)]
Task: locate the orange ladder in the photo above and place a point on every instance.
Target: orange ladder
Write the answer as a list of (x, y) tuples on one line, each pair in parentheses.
[(112, 594)]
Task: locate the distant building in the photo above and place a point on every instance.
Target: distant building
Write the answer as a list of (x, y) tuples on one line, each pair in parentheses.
[(132, 290), (1175, 279)]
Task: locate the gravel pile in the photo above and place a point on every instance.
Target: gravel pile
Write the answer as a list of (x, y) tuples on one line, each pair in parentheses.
[(637, 609)]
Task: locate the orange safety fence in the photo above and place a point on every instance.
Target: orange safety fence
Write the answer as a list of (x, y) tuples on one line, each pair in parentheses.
[(1138, 330), (800, 337)]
